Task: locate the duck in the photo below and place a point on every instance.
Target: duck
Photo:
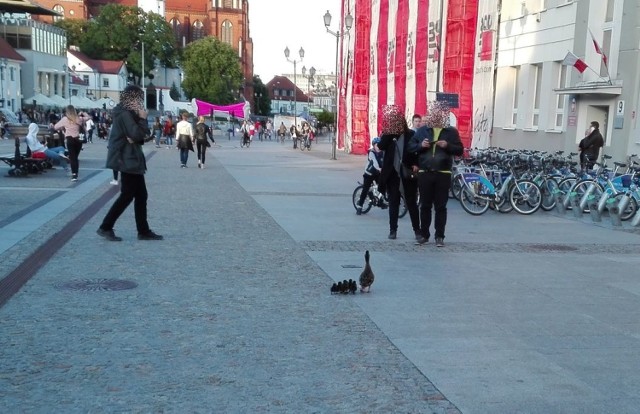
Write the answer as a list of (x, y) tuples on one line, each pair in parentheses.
[(366, 277)]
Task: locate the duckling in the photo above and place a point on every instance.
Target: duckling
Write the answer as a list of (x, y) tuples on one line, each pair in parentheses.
[(334, 288), (353, 286), (367, 276)]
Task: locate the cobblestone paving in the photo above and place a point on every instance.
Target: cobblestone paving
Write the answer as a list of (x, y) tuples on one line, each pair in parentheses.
[(229, 315)]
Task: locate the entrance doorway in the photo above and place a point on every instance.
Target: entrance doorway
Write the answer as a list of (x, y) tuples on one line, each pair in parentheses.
[(599, 113)]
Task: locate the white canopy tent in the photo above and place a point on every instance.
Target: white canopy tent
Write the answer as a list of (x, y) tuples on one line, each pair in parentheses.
[(60, 101), (40, 100)]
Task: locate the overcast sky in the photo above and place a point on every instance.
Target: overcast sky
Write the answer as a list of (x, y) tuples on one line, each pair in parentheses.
[(276, 24)]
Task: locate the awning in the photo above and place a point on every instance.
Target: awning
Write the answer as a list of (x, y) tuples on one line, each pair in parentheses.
[(60, 101), (23, 6), (603, 89), (40, 100)]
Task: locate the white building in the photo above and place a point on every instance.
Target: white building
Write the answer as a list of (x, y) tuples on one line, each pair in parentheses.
[(545, 105)]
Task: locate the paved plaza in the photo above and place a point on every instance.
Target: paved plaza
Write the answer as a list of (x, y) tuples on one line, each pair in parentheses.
[(231, 312)]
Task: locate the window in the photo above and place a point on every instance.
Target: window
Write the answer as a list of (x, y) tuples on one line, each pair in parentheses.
[(59, 9), (537, 78), (561, 100), (516, 92), (85, 79), (12, 73), (177, 29), (105, 82), (198, 30), (236, 4), (227, 32), (609, 14)]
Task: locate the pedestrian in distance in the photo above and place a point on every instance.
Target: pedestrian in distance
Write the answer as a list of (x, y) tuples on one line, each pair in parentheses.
[(128, 134), (371, 174), (169, 131), (590, 145), (436, 143), (399, 168), (203, 135), (156, 131), (184, 139), (71, 123)]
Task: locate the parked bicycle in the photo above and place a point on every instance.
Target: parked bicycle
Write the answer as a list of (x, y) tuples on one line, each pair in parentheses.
[(374, 198)]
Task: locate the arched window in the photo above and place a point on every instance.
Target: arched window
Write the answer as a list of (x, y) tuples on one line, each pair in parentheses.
[(177, 30), (59, 9), (227, 32), (228, 4), (198, 30), (236, 4)]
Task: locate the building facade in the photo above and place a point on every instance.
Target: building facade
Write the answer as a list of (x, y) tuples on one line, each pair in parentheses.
[(545, 105), (227, 20)]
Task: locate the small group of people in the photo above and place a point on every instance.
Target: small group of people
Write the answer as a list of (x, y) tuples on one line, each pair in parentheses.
[(406, 160)]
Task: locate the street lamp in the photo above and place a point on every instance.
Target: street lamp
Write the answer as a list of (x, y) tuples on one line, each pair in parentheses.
[(295, 87), (256, 101), (310, 81), (348, 24), (3, 65), (66, 70)]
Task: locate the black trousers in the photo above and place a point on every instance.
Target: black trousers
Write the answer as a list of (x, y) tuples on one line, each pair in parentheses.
[(367, 180), (410, 198), (434, 193), (201, 147), (74, 146), (132, 188)]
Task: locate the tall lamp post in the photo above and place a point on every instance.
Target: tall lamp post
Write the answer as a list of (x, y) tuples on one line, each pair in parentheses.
[(348, 23), (256, 101), (66, 70), (295, 87), (312, 73)]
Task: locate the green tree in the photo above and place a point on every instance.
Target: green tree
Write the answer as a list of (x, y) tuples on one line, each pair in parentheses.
[(325, 117), (174, 93), (118, 33), (76, 30), (261, 94), (212, 71)]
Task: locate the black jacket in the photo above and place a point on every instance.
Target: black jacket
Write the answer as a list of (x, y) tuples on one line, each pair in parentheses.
[(435, 158), (591, 144), (388, 145), (124, 156)]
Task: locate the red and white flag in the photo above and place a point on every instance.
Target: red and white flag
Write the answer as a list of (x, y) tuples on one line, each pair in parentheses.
[(573, 60), (598, 48)]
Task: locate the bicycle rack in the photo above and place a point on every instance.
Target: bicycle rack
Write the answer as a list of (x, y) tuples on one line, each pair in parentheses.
[(602, 203), (575, 204), (558, 195), (594, 212), (614, 212), (636, 219), (585, 196)]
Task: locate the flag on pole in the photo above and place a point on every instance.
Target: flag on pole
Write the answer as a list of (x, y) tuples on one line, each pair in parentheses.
[(573, 60), (598, 48)]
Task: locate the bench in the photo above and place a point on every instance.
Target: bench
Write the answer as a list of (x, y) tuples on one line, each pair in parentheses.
[(22, 164)]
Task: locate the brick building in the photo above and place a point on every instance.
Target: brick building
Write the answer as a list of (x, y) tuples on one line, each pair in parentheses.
[(227, 20)]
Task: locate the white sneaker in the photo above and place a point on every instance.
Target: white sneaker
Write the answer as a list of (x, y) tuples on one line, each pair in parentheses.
[(113, 182)]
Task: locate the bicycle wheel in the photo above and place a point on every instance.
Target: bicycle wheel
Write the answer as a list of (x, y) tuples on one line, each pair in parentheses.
[(631, 209), (472, 204), (302, 145), (456, 186), (403, 208), (549, 187), (525, 197), (366, 206)]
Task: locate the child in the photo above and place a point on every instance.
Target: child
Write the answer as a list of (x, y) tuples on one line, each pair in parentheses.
[(371, 173)]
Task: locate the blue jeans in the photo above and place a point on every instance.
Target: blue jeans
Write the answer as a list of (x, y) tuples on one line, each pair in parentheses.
[(184, 155), (169, 139), (54, 154), (158, 134)]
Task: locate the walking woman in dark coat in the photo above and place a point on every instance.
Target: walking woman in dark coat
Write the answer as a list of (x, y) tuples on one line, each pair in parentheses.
[(203, 135), (128, 134)]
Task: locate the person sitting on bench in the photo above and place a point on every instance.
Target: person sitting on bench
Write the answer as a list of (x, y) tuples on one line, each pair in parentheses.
[(56, 155)]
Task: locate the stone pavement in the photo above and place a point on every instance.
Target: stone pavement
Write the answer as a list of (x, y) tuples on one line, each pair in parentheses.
[(232, 311)]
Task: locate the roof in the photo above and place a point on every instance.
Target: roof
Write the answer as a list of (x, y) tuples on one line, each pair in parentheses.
[(24, 6), (282, 82), (101, 66), (8, 52)]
